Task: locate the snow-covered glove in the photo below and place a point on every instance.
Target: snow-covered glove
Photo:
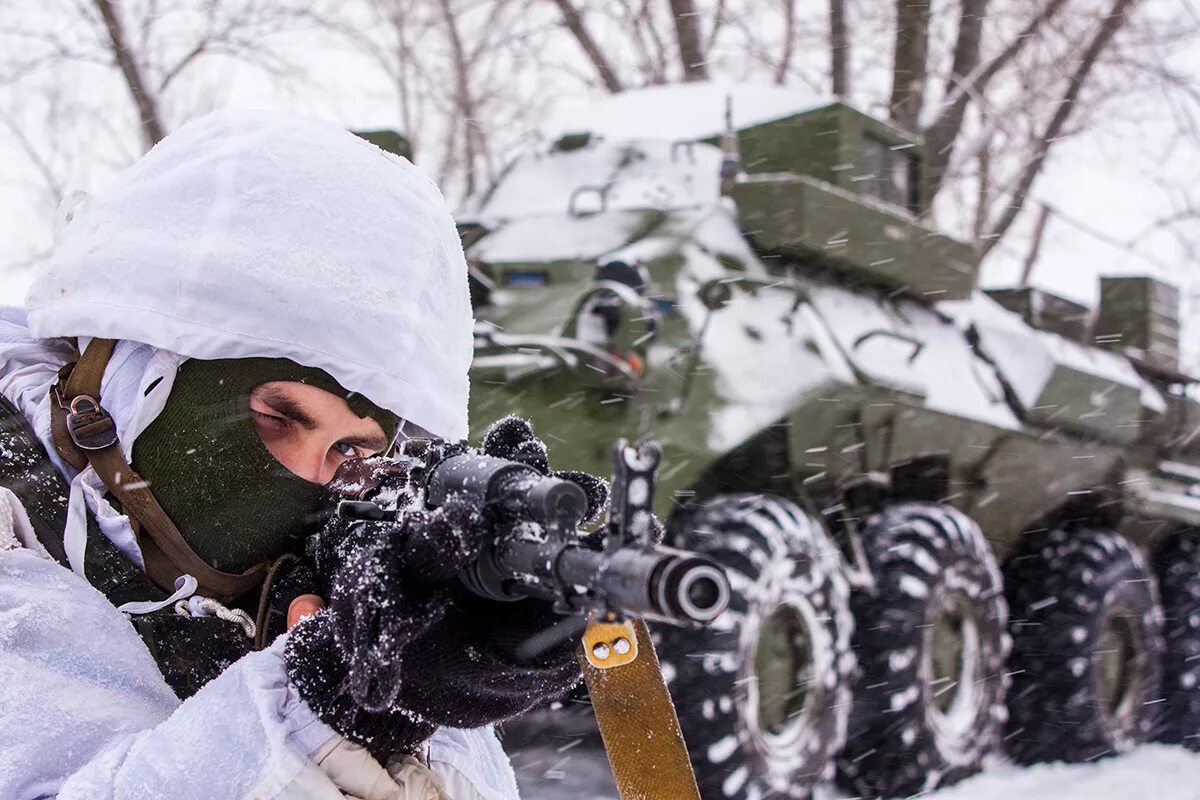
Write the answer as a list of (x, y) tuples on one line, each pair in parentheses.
[(402, 647), (513, 439)]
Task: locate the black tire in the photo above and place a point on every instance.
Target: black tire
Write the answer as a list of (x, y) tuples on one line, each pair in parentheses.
[(1177, 567), (931, 640), (1087, 647), (763, 694)]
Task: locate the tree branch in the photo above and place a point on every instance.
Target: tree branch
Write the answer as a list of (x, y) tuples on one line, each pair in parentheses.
[(147, 107), (462, 91), (942, 133), (1035, 246), (719, 18), (789, 41), (940, 138), (182, 64), (1127, 245), (983, 194), (54, 186), (574, 23), (1108, 28), (645, 18)]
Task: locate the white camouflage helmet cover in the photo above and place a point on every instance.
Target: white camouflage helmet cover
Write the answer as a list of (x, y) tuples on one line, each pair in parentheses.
[(255, 234)]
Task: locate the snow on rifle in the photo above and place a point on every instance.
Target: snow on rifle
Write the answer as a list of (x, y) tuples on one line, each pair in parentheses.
[(619, 570)]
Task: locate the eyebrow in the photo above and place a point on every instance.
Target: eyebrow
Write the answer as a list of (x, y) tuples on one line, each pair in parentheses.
[(287, 406)]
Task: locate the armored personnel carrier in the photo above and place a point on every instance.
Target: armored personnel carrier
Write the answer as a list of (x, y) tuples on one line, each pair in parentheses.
[(956, 522)]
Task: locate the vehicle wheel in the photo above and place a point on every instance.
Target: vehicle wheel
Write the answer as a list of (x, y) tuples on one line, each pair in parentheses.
[(1087, 647), (1177, 565), (931, 640), (763, 694)]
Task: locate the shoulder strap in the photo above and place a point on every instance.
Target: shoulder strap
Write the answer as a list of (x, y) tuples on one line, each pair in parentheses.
[(189, 651), (84, 433), (26, 470), (641, 734)]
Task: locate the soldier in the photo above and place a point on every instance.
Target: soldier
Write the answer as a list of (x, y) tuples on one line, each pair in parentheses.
[(257, 301)]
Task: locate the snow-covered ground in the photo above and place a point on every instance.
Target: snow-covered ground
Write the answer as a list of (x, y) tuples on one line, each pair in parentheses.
[(564, 763), (1151, 772)]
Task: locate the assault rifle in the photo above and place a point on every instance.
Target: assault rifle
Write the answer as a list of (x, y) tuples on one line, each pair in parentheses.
[(607, 585), (543, 555)]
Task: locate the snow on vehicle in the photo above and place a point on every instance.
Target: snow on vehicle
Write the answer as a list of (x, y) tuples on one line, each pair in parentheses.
[(859, 435)]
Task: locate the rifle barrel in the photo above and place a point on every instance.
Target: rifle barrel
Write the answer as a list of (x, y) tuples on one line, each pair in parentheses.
[(653, 581)]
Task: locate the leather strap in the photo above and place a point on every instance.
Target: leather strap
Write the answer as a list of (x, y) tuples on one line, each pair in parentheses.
[(88, 372), (84, 433), (637, 720)]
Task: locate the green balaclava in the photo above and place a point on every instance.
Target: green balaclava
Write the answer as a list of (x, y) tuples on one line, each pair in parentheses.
[(234, 504)]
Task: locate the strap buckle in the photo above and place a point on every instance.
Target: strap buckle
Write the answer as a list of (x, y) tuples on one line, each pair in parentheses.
[(88, 424), (610, 643)]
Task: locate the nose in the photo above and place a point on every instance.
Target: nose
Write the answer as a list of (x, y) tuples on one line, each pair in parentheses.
[(324, 472)]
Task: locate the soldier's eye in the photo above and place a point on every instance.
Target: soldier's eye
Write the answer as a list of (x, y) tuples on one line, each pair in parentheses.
[(348, 450), (268, 423)]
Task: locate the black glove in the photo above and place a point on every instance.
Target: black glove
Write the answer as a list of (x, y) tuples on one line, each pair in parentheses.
[(512, 438), (402, 647)]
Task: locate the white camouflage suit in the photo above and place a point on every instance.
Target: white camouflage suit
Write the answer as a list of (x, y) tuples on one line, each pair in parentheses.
[(243, 234)]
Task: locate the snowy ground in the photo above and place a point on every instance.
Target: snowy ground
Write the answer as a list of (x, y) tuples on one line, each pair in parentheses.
[(562, 762), (1152, 772)]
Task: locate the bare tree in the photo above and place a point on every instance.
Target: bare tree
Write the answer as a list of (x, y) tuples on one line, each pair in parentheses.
[(968, 79), (839, 49), (394, 36), (142, 44), (87, 85), (789, 41), (149, 118), (650, 52), (687, 34), (465, 106), (990, 86), (573, 21), (983, 194), (1035, 245), (1108, 28), (966, 59), (455, 69), (909, 62)]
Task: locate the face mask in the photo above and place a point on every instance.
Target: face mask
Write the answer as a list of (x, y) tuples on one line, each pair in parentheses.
[(235, 505)]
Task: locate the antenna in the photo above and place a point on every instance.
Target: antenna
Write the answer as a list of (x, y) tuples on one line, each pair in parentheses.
[(731, 157)]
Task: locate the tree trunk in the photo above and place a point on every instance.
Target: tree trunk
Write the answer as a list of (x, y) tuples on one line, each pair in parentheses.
[(909, 63), (789, 41), (574, 23), (966, 59), (1039, 231), (462, 93), (969, 78), (839, 49), (687, 32), (983, 197), (1108, 28), (147, 106), (400, 74), (719, 19)]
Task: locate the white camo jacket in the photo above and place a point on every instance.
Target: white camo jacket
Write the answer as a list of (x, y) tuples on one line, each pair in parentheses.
[(84, 712)]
